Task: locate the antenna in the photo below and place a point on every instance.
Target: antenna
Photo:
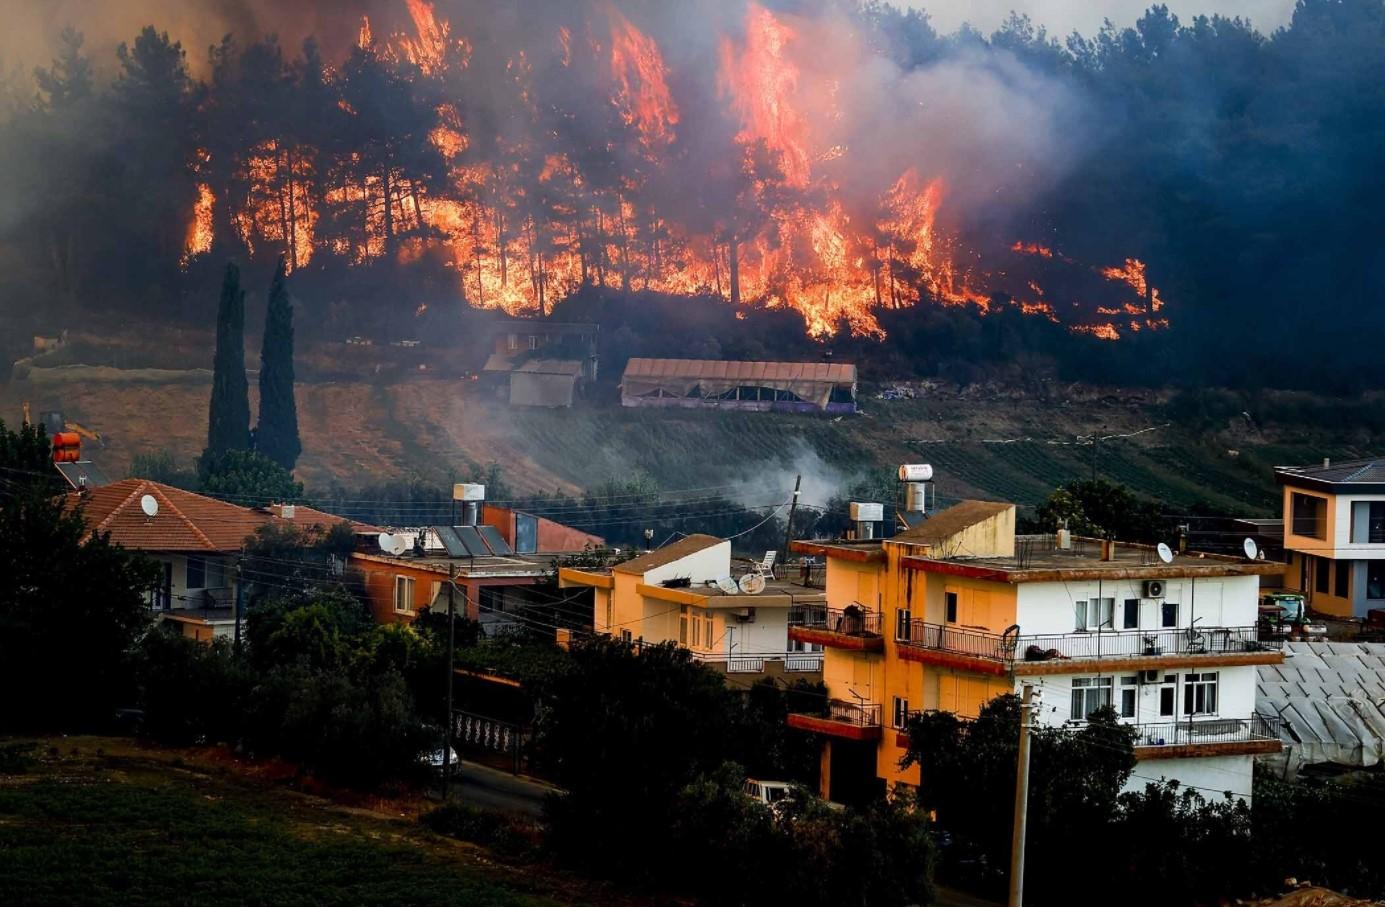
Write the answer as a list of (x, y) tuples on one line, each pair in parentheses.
[(150, 505), (1251, 549), (1165, 553)]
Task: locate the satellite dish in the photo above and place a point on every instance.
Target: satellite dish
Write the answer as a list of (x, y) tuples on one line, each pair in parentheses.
[(386, 542), (150, 505), (1251, 549), (752, 584), (393, 544), (727, 585), (1165, 553)]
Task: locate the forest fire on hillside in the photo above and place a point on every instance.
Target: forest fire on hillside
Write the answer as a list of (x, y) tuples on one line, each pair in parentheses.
[(528, 207)]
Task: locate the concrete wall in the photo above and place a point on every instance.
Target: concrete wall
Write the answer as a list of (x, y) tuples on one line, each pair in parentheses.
[(849, 582), (1230, 601), (1211, 775), (1235, 693)]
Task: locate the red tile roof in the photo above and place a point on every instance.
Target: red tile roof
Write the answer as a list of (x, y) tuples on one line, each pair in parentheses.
[(185, 521)]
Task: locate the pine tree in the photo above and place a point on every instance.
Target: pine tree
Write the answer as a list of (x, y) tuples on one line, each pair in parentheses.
[(228, 423), (277, 434)]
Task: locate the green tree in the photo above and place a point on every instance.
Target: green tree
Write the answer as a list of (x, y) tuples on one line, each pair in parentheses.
[(277, 434), (247, 477), (1101, 509), (228, 424), (71, 607), (26, 456)]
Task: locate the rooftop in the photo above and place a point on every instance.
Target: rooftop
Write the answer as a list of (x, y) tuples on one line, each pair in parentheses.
[(750, 372), (482, 566), (1038, 558), (947, 523), (1343, 476), (661, 557)]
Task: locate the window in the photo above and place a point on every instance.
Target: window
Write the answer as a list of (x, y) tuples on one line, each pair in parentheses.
[(626, 636), (1343, 571), (533, 341), (1130, 619), (1088, 695), (1168, 614), (1309, 515), (1322, 570), (513, 342), (901, 712), (951, 599), (1168, 695), (1375, 579), (1129, 689), (798, 645), (196, 573), (403, 594), (1200, 693), (1095, 614), (610, 613), (1368, 522), (902, 624), (683, 625)]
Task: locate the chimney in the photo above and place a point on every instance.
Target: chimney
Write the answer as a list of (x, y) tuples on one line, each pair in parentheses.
[(1326, 462), (1108, 549), (287, 511)]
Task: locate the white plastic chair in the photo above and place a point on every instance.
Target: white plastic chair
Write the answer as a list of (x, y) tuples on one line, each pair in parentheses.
[(765, 566)]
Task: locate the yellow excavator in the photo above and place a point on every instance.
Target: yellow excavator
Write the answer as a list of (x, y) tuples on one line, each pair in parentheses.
[(53, 422)]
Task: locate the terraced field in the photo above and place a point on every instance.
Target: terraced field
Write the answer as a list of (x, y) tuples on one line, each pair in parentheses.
[(1003, 446)]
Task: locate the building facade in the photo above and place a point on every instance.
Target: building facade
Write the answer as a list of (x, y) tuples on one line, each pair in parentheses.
[(686, 593), (946, 616), (1334, 535)]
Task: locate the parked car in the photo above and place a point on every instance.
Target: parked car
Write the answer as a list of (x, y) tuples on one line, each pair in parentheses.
[(776, 795), (434, 760)]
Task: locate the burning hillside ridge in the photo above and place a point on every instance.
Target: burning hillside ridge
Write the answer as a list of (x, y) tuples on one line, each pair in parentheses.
[(764, 157)]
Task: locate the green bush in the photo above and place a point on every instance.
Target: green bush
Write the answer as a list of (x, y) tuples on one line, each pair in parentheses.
[(508, 836)]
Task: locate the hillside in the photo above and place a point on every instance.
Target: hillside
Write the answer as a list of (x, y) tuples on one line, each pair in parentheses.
[(984, 441)]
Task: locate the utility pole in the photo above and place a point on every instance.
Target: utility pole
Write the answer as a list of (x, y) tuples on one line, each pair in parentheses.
[(788, 530), (1021, 802), (240, 592), (451, 644)]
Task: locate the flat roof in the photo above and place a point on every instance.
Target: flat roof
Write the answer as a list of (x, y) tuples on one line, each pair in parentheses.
[(498, 566), (1038, 559)]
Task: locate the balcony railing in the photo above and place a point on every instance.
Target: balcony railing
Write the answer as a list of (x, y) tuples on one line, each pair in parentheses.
[(1256, 728), (950, 638), (1139, 643), (807, 662), (861, 714), (852, 620)]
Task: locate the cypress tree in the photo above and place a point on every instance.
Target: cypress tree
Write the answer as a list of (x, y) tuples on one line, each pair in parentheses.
[(228, 422), (277, 435)]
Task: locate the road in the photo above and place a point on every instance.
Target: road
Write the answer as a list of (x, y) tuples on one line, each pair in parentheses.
[(491, 788)]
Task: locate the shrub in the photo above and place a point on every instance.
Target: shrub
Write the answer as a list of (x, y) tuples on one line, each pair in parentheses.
[(508, 836)]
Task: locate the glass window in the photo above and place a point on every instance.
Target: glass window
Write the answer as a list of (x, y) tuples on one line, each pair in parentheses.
[(1368, 522), (1130, 619), (1200, 693), (1309, 514), (403, 593), (197, 573), (901, 712), (683, 625), (1343, 584), (1166, 700), (1129, 686), (1095, 614), (1322, 568), (1168, 614), (951, 600), (902, 624), (1375, 579), (1088, 695)]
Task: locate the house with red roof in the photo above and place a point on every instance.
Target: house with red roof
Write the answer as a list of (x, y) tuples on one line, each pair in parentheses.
[(195, 539)]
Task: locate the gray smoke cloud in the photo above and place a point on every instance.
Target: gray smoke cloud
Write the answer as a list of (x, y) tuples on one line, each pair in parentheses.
[(1062, 17)]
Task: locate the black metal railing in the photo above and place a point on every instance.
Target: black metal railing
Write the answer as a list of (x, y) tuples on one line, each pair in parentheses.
[(852, 620), (1138, 643), (1196, 731), (861, 714), (951, 638)]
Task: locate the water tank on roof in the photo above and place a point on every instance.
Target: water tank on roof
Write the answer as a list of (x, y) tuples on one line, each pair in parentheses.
[(916, 472)]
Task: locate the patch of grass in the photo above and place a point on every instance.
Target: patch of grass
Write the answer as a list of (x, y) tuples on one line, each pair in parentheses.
[(133, 836)]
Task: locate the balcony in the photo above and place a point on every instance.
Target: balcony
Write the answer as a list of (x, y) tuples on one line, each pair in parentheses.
[(1143, 649), (762, 662), (948, 645), (1208, 737), (852, 627), (847, 720)]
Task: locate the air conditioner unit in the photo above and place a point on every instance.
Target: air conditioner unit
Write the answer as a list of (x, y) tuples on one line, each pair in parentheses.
[(1149, 676), (745, 615), (1154, 588)]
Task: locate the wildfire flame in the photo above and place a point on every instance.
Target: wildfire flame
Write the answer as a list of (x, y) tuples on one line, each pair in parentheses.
[(529, 226)]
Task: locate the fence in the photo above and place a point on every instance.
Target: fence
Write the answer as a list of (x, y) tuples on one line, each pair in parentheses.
[(863, 714), (977, 643), (1139, 643), (853, 620), (490, 736), (1209, 730)]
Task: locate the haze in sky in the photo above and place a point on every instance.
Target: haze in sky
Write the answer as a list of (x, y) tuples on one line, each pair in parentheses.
[(1063, 16)]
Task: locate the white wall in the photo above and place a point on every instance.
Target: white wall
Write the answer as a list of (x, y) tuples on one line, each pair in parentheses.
[(1212, 775), (219, 574), (1342, 532), (1235, 693), (768, 634), (710, 563), (1224, 601)]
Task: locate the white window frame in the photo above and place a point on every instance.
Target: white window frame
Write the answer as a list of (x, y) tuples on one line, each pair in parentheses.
[(1201, 693), (1083, 612), (403, 582), (1083, 688), (1129, 692), (903, 624), (901, 712)]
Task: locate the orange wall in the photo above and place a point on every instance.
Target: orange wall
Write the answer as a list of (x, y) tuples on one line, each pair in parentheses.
[(553, 537), (1304, 542)]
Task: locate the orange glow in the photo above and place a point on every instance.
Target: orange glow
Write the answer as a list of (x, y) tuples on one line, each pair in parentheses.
[(761, 81), (642, 93), (364, 38), (1106, 331), (1029, 248), (199, 235), (1133, 273)]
